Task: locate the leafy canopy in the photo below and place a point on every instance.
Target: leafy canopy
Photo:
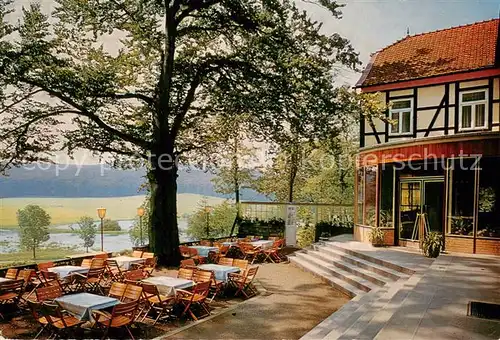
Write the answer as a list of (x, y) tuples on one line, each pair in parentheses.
[(87, 231), (33, 223), (217, 220)]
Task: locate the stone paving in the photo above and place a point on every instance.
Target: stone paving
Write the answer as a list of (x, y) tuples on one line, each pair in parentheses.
[(293, 302)]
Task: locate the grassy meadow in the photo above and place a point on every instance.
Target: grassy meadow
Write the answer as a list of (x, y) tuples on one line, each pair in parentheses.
[(69, 210)]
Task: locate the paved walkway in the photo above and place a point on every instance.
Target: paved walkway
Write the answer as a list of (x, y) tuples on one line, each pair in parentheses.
[(294, 303)]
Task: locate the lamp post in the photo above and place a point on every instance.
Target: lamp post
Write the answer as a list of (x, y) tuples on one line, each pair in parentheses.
[(140, 213), (101, 212)]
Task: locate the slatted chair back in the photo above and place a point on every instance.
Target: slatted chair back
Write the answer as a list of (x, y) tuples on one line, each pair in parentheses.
[(202, 288), (133, 275), (114, 270), (185, 273), (117, 290), (12, 286), (250, 274), (137, 253), (226, 261), (212, 257), (147, 255), (150, 290), (49, 278), (48, 293), (101, 256), (86, 263), (202, 275), (11, 273), (26, 275), (45, 266), (123, 314), (132, 293), (242, 264), (98, 263), (188, 263)]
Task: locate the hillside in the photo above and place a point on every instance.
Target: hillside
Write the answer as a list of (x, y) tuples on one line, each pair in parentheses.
[(95, 181)]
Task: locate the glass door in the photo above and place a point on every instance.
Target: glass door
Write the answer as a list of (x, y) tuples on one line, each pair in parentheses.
[(410, 208), (421, 204)]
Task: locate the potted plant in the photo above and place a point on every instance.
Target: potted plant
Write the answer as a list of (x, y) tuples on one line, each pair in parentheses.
[(432, 244), (376, 237)]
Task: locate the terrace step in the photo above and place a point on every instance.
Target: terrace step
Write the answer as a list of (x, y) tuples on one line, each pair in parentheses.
[(339, 255), (350, 278), (343, 247), (368, 275), (344, 287)]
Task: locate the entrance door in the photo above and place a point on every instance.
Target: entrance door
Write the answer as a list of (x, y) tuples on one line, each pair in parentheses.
[(421, 203)]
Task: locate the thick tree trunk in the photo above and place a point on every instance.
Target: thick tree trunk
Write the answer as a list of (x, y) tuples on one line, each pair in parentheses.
[(164, 233), (236, 185), (293, 174)]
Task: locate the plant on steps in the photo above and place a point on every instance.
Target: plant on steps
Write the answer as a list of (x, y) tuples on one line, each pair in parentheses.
[(376, 236), (432, 244)]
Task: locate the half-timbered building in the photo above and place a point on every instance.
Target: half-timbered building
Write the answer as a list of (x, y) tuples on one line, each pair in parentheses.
[(434, 163)]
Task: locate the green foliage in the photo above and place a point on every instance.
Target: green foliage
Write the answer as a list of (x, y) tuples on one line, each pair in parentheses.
[(461, 225), (33, 223), (265, 228), (305, 235), (135, 232), (376, 236), (432, 244), (87, 231), (217, 220), (110, 225), (339, 225), (487, 199)]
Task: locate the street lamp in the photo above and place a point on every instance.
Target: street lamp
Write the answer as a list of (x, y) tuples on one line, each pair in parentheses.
[(101, 212), (140, 213)]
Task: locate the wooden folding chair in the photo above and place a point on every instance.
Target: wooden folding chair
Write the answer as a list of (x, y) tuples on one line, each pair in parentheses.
[(11, 292), (226, 261), (113, 271), (117, 290), (242, 264), (133, 276), (243, 283), (31, 282), (37, 315), (272, 253), (196, 297), (91, 281), (122, 315), (184, 252), (185, 273), (132, 292), (249, 251), (188, 263), (207, 275), (86, 263), (161, 304), (150, 266), (98, 262), (59, 322), (44, 266), (137, 253), (48, 293), (193, 254), (223, 251), (101, 256), (147, 255), (11, 274)]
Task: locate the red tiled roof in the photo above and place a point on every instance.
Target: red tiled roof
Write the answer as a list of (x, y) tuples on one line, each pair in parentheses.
[(452, 50)]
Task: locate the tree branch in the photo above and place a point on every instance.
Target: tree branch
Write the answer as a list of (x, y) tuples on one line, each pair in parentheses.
[(150, 101)]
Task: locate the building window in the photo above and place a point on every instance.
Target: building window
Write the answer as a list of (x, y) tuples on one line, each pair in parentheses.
[(370, 195), (360, 197), (401, 114), (488, 224), (386, 196), (462, 187), (473, 110)]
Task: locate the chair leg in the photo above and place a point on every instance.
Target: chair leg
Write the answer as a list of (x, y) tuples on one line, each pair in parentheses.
[(129, 333)]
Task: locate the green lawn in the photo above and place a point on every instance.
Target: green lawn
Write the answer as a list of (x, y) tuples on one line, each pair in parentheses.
[(69, 210), (26, 257)]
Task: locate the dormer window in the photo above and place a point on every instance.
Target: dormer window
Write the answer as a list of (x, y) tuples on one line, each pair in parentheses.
[(473, 110), (401, 114)]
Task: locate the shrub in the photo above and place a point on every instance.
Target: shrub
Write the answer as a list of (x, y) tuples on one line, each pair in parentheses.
[(305, 236), (376, 236), (432, 244), (109, 225)]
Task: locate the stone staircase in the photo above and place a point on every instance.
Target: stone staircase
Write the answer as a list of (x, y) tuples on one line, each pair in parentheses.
[(376, 288)]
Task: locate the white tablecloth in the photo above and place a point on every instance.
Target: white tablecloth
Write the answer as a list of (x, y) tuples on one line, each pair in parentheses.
[(81, 305), (263, 244), (220, 271), (167, 285), (3, 279), (203, 250), (125, 261), (65, 271)]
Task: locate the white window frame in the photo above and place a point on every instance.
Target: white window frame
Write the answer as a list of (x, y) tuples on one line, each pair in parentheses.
[(400, 121), (473, 104)]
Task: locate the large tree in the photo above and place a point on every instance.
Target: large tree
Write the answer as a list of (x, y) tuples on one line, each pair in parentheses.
[(152, 95), (33, 224)]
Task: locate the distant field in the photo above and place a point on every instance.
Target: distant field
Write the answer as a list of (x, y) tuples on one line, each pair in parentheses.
[(69, 210)]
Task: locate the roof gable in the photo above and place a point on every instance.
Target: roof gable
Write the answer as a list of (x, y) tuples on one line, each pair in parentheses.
[(458, 49)]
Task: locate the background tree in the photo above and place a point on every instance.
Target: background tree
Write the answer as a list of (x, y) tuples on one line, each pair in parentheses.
[(217, 220), (135, 231), (153, 97), (110, 225), (33, 223), (87, 231)]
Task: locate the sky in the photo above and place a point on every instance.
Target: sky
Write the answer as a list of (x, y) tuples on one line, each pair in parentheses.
[(371, 25)]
